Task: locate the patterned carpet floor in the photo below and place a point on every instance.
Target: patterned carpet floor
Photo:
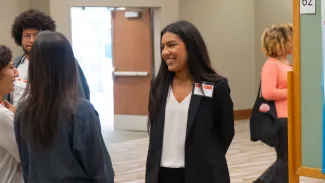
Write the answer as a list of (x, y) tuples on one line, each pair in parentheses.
[(246, 160)]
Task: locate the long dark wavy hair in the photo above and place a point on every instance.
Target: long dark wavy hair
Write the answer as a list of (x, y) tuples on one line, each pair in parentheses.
[(199, 64), (51, 87)]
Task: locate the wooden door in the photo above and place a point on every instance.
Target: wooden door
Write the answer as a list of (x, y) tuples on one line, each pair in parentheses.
[(133, 63)]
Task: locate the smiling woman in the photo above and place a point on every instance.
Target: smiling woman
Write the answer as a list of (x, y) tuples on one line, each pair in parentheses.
[(7, 71), (9, 156), (189, 108)]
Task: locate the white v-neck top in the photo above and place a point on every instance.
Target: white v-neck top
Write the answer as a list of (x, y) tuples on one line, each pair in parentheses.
[(9, 155), (175, 131)]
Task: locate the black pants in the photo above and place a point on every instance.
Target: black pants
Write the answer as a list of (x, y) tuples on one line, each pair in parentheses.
[(278, 171), (171, 175)]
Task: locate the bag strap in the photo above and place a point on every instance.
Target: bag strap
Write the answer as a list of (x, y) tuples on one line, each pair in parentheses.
[(259, 94)]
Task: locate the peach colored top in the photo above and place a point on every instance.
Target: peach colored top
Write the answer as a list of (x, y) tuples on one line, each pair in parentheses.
[(274, 85)]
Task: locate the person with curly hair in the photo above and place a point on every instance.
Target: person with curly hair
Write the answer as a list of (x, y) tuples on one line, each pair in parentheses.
[(24, 31), (9, 155), (276, 44)]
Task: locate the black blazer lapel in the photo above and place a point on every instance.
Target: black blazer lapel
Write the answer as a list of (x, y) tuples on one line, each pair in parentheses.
[(193, 108), (161, 114)]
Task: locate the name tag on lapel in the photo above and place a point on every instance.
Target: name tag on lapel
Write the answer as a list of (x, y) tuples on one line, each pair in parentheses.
[(207, 89)]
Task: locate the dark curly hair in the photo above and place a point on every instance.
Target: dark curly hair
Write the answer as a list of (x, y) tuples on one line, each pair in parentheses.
[(34, 19), (5, 56)]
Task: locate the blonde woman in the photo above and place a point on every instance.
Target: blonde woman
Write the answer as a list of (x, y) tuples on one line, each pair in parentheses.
[(277, 44)]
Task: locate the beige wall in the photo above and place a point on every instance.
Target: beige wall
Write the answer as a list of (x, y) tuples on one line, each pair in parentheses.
[(167, 11), (43, 5), (60, 9), (231, 29), (268, 12), (8, 11), (228, 29)]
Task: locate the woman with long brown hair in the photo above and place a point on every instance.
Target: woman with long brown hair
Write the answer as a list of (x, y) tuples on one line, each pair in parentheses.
[(58, 134)]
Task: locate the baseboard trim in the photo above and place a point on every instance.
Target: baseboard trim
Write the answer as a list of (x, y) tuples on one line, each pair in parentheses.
[(139, 123), (242, 114), (130, 122)]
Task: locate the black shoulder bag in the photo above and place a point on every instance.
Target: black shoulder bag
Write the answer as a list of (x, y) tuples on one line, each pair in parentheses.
[(264, 125)]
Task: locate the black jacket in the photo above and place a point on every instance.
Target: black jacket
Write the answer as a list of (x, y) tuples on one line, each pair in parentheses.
[(209, 133), (77, 152)]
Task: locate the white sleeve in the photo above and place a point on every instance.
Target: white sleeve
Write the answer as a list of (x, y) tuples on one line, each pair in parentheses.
[(7, 132)]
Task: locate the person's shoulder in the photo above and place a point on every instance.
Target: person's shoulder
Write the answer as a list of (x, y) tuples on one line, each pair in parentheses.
[(77, 61), (221, 82), (85, 114), (270, 63), (221, 87), (5, 115), (83, 108), (17, 59), (83, 104)]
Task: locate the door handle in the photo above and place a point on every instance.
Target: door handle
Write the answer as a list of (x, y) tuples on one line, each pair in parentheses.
[(129, 73)]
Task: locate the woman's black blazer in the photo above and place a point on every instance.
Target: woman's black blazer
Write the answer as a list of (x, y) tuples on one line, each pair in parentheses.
[(209, 133)]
